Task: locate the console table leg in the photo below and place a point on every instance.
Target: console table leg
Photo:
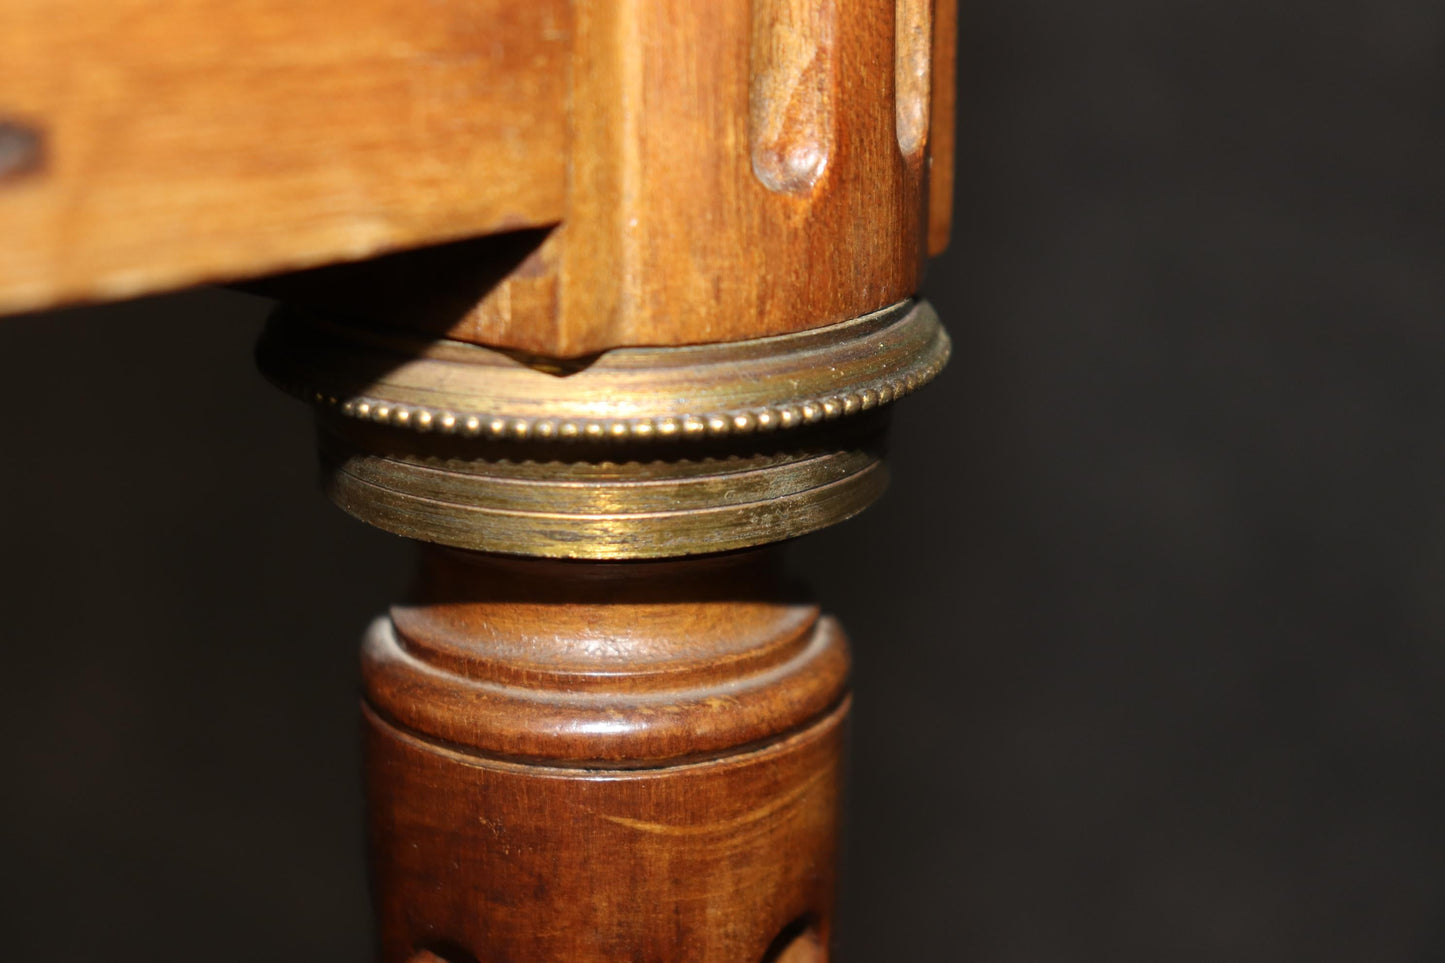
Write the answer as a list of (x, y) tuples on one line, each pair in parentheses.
[(604, 761)]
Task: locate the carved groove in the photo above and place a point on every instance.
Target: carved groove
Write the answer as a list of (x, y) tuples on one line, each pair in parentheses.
[(913, 72), (790, 102), (799, 942), (442, 953)]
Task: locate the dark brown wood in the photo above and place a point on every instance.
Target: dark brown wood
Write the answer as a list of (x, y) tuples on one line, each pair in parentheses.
[(604, 761)]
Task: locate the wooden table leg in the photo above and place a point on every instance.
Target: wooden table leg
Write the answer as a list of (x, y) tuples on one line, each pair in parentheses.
[(631, 290), (604, 761), (604, 726)]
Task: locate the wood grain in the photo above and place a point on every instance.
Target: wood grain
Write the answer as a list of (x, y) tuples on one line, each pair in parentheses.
[(478, 861), (604, 761), (735, 172), (205, 139), (793, 67), (671, 236), (708, 172)]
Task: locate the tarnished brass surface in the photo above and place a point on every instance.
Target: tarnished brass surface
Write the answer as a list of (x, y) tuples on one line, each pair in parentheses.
[(645, 453), (736, 388), (596, 502)]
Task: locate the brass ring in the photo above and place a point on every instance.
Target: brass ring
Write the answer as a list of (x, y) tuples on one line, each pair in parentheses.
[(628, 394), (645, 453)]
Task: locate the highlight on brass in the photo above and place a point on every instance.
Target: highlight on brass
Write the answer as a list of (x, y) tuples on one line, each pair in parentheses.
[(790, 93)]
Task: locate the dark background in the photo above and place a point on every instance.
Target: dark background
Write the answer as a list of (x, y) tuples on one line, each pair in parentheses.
[(1150, 631)]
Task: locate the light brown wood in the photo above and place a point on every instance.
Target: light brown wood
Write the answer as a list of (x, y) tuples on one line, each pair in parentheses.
[(682, 225), (175, 141), (715, 171), (591, 762), (942, 137), (479, 861), (738, 170)]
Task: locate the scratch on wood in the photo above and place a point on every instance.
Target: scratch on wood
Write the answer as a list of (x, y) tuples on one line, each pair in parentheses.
[(725, 826)]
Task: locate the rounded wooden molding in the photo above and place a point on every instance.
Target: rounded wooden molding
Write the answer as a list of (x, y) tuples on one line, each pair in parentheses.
[(644, 664)]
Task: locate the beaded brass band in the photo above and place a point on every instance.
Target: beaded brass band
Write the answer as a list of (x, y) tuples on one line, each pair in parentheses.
[(641, 453)]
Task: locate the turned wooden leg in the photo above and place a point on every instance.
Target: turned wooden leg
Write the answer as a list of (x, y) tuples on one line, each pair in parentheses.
[(604, 761), (599, 302), (604, 726)]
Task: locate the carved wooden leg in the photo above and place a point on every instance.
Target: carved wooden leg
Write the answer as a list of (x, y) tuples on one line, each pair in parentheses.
[(603, 761), (604, 727), (639, 295)]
